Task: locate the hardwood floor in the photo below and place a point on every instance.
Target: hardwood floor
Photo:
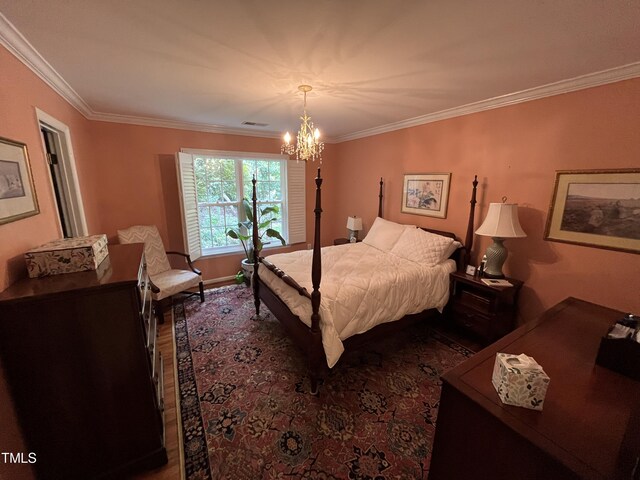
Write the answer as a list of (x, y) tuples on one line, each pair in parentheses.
[(172, 470)]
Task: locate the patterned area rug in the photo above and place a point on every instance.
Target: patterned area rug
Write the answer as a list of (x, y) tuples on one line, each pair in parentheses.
[(246, 413)]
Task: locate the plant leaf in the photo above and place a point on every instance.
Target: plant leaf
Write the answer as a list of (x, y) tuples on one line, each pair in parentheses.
[(265, 224), (275, 234), (248, 210), (273, 209), (233, 234)]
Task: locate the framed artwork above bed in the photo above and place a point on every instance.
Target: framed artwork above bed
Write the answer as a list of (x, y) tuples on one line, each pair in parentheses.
[(426, 194)]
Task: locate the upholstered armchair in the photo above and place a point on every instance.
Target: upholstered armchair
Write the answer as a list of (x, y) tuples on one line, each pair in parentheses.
[(165, 281)]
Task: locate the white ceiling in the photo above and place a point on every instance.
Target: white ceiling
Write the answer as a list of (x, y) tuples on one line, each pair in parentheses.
[(374, 64)]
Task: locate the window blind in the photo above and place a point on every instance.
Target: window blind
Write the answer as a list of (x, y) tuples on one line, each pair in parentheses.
[(296, 201), (189, 205)]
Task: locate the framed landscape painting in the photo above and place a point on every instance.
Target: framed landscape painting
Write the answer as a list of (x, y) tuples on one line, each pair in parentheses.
[(17, 195), (426, 194), (596, 208)]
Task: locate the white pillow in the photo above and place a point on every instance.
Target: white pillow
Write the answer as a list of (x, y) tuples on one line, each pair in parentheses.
[(452, 248), (384, 234), (424, 247)]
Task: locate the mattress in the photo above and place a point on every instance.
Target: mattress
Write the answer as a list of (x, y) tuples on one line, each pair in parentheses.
[(361, 287)]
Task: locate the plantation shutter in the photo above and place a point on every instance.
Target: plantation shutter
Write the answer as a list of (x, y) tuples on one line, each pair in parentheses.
[(296, 201), (189, 205)]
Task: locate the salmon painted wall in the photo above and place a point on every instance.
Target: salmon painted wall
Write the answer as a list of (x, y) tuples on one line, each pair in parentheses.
[(133, 169), (515, 152), (20, 93)]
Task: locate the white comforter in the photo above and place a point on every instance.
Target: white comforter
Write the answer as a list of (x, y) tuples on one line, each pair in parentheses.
[(361, 287)]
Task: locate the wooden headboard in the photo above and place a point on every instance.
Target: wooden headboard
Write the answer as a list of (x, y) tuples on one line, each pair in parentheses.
[(461, 255)]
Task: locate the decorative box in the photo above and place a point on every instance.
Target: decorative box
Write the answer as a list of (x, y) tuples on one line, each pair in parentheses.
[(519, 380), (67, 255)]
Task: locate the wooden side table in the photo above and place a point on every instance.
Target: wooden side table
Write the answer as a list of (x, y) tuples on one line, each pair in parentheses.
[(342, 241), (487, 311)]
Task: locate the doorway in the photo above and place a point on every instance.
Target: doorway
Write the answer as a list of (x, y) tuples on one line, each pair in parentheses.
[(51, 146), (56, 141)]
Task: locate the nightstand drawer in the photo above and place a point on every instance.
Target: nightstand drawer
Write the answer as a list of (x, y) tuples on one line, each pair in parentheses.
[(474, 301), (470, 319)]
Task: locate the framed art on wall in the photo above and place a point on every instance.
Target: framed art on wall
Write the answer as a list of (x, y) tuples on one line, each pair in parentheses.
[(426, 194), (596, 208), (17, 193)]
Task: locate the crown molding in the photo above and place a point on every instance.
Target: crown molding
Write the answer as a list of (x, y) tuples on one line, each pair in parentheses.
[(20, 47), (179, 125), (612, 75)]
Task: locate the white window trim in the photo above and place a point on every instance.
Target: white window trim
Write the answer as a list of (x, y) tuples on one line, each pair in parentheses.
[(235, 155)]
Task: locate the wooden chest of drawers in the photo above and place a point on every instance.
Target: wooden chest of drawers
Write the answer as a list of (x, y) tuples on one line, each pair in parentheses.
[(80, 356)]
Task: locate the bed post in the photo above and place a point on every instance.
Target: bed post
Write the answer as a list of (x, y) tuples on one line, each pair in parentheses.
[(380, 199), (256, 253), (316, 350), (468, 243)]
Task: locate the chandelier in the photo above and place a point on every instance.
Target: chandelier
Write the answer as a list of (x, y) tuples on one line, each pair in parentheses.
[(308, 144)]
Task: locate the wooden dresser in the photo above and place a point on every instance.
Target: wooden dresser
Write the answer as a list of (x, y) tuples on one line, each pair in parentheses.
[(83, 369), (590, 425)]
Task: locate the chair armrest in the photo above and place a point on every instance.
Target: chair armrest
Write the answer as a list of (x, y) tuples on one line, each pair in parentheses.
[(154, 289), (188, 259)]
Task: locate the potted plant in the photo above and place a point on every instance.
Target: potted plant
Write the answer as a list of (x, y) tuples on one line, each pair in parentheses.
[(244, 233)]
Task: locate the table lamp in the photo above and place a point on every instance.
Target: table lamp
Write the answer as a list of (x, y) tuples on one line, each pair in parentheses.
[(354, 224), (501, 222)]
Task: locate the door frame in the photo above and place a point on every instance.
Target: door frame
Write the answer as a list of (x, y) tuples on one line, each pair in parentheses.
[(70, 183)]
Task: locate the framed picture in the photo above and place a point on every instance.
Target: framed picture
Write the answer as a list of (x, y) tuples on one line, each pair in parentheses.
[(17, 194), (596, 208), (426, 194)]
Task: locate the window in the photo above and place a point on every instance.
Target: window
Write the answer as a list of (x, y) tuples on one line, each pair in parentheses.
[(213, 185)]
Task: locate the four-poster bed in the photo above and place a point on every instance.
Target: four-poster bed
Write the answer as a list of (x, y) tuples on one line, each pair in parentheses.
[(323, 337)]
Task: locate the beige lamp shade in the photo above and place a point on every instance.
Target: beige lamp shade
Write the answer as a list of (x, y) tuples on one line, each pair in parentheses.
[(501, 222), (354, 223)]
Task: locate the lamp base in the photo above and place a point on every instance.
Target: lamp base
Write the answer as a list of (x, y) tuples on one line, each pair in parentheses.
[(496, 256), (353, 234)]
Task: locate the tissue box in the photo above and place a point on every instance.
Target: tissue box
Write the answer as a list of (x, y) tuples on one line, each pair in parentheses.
[(519, 380), (67, 255)]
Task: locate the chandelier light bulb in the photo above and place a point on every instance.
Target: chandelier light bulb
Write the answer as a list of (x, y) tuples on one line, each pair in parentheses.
[(287, 138), (316, 134)]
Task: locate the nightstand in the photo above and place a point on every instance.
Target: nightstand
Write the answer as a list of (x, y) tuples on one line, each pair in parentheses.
[(489, 312), (342, 241)]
